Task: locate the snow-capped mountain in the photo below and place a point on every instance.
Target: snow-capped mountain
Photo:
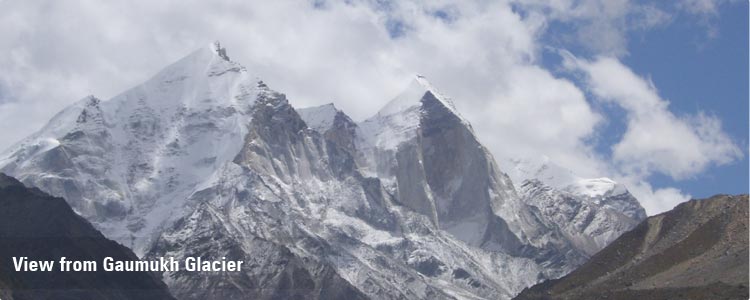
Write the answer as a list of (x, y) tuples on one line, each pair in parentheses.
[(428, 156), (128, 163), (589, 212), (206, 160)]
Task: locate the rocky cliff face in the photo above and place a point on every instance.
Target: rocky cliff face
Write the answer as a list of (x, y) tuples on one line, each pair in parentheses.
[(583, 224), (583, 215), (41, 227), (698, 250), (205, 160)]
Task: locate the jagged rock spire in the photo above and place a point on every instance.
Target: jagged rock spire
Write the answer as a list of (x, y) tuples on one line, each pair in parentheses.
[(222, 52)]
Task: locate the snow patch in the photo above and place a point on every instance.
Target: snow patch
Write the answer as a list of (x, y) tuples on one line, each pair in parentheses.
[(319, 118)]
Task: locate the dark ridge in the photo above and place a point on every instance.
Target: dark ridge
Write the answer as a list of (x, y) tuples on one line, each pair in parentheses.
[(41, 227)]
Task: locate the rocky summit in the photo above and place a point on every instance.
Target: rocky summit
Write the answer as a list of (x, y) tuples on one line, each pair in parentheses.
[(206, 160)]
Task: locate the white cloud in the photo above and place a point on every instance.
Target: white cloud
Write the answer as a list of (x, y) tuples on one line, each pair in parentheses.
[(655, 139), (654, 201)]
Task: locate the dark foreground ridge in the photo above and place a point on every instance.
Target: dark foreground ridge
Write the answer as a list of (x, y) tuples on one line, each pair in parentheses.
[(698, 250), (36, 225)]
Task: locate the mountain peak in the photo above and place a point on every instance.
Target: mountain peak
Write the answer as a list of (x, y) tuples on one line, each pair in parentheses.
[(541, 168), (211, 60), (320, 118), (421, 80), (413, 96), (546, 171), (597, 187), (220, 51), (398, 120)]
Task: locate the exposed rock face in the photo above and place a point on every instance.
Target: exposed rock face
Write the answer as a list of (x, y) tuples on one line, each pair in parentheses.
[(582, 224), (582, 215), (698, 250), (205, 160), (41, 227), (428, 156), (292, 202)]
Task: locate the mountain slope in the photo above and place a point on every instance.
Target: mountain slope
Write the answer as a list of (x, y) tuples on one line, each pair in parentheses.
[(698, 250), (41, 227)]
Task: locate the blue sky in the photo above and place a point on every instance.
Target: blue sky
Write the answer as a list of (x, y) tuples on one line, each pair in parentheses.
[(697, 64), (696, 72), (584, 83)]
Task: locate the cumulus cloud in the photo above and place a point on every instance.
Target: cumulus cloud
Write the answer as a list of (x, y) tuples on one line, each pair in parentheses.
[(655, 139), (654, 200)]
